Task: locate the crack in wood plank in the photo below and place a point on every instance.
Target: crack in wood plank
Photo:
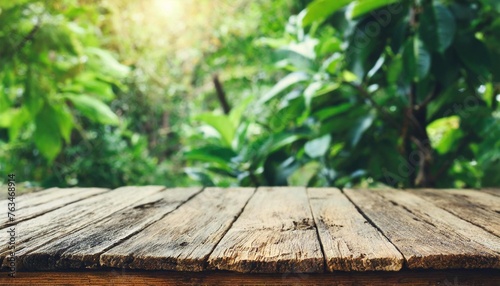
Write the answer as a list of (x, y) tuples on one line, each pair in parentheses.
[(478, 208), (31, 205), (423, 245), (189, 234), (275, 233), (349, 242), (83, 248), (36, 232)]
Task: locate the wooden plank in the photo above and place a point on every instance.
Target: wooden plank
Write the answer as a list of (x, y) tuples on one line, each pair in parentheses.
[(476, 207), (376, 278), (491, 191), (40, 230), (349, 241), (183, 239), (275, 233), (474, 196), (22, 189), (422, 243), (444, 220), (34, 204), (81, 249)]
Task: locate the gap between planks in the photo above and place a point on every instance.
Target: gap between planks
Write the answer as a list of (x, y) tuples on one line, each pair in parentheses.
[(350, 242), (71, 251), (192, 232), (340, 256), (274, 234), (52, 225), (417, 228), (31, 205)]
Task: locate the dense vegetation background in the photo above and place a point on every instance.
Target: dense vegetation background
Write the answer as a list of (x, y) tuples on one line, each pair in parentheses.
[(220, 92)]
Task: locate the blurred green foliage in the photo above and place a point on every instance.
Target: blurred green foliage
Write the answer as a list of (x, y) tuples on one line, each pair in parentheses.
[(321, 93), (97, 92), (401, 93)]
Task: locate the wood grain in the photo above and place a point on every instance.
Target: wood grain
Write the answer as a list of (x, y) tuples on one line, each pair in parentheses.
[(33, 204), (491, 191), (183, 239), (81, 249), (376, 278), (35, 232), (275, 233), (349, 241), (444, 220), (479, 208), (422, 243)]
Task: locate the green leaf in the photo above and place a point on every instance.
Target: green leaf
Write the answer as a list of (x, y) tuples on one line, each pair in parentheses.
[(349, 76), (360, 127), (240, 136), (303, 175), (99, 88), (19, 119), (93, 109), (7, 4), (211, 154), (296, 59), (238, 111), (103, 62), (7, 116), (445, 133), (32, 99), (311, 91), (473, 53), (331, 111), (288, 114), (318, 147), (199, 176), (47, 135), (416, 59), (283, 84), (363, 50), (329, 46), (320, 9), (423, 60), (495, 4), (394, 69), (221, 124), (332, 63), (281, 140), (65, 122), (361, 7), (437, 27)]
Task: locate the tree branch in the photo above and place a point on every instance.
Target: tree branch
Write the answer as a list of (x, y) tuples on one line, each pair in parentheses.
[(430, 97), (367, 96), (221, 95)]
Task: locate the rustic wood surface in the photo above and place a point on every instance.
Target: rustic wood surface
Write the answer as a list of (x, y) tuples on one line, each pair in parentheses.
[(275, 233), (376, 278), (479, 208), (444, 220), (183, 239), (491, 191), (34, 204), (423, 243), (349, 241), (42, 229), (71, 251), (285, 231)]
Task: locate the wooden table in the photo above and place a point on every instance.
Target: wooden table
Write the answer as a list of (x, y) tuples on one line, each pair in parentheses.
[(279, 235)]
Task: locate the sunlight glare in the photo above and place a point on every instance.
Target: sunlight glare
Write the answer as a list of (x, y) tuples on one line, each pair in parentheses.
[(173, 9)]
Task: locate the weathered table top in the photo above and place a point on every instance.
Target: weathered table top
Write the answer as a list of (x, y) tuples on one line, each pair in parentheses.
[(287, 231)]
